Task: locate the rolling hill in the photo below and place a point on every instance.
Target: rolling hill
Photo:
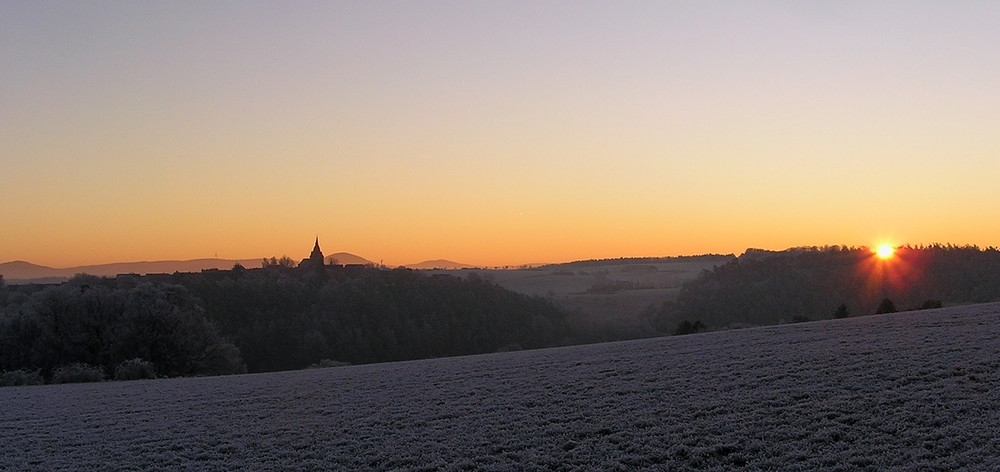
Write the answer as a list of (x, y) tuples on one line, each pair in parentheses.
[(605, 299), (346, 258), (906, 391), (17, 271), (20, 270), (438, 264)]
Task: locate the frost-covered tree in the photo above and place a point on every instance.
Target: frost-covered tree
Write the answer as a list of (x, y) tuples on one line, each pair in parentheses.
[(93, 321)]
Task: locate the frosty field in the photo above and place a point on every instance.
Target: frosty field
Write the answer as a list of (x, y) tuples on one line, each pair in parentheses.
[(908, 391)]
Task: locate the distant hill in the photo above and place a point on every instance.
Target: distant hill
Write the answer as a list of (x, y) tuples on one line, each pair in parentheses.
[(22, 271), (721, 258), (16, 271), (346, 258), (438, 264), (26, 270)]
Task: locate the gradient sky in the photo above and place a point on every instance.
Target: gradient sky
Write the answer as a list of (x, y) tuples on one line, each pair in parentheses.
[(493, 133)]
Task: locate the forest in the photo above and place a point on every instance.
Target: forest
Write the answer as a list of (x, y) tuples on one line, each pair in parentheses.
[(258, 320), (769, 287), (281, 317)]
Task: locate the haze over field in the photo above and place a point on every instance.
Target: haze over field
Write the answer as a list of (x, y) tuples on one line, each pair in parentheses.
[(493, 133)]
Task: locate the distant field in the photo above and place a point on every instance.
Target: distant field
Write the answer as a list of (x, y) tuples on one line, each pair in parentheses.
[(907, 391), (611, 297), (568, 281)]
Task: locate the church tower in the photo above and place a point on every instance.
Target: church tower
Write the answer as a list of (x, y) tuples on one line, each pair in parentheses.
[(315, 260), (316, 257)]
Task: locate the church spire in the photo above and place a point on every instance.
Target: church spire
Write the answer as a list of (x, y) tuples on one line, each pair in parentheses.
[(317, 254), (315, 259)]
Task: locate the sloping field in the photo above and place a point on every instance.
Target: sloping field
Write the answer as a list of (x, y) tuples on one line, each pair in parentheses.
[(606, 300), (909, 391)]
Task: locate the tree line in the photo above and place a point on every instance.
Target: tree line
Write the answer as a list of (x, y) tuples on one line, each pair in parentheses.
[(591, 263), (257, 320), (102, 324), (767, 287)]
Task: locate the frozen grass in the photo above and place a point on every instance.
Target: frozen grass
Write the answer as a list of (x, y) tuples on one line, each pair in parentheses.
[(908, 391)]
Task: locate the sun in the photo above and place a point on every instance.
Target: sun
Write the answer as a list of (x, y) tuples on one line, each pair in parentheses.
[(885, 251)]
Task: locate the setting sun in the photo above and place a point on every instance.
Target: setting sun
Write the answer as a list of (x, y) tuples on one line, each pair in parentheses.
[(885, 251)]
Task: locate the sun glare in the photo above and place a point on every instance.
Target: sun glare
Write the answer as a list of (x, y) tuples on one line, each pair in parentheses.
[(885, 251)]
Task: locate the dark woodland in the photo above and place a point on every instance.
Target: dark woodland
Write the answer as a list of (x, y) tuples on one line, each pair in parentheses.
[(267, 319), (767, 287), (281, 317)]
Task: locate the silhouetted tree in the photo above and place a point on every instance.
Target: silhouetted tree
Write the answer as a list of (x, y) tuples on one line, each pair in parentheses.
[(283, 261), (887, 306), (842, 311)]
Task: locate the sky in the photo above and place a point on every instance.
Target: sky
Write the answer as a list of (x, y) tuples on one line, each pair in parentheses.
[(493, 133)]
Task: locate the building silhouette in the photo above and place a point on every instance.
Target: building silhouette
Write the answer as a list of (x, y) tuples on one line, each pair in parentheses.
[(315, 259)]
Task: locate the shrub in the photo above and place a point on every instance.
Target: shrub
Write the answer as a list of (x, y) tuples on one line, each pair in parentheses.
[(887, 306), (687, 327), (78, 372), (135, 369), (842, 311), (21, 377), (221, 358)]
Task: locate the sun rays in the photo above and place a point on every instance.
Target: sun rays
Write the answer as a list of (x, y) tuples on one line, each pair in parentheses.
[(885, 251)]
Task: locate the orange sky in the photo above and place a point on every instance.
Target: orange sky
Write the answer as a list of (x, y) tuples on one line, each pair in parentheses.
[(493, 133)]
